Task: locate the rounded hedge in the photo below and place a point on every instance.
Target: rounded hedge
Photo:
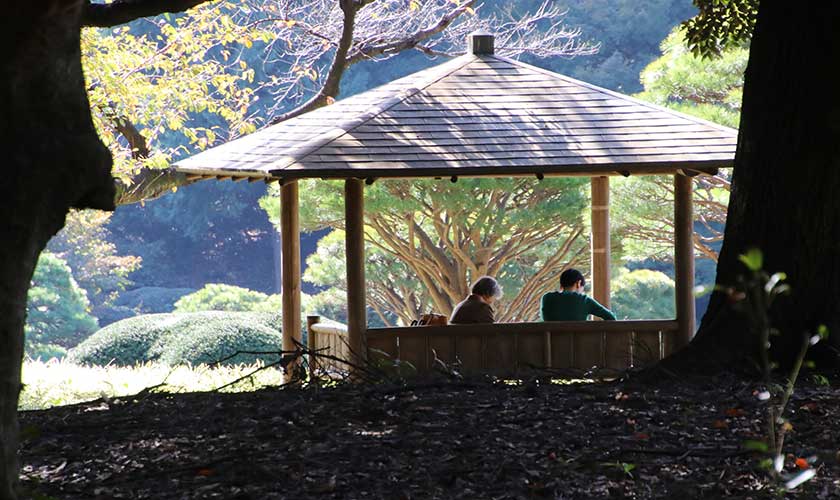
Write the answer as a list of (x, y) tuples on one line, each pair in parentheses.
[(183, 338)]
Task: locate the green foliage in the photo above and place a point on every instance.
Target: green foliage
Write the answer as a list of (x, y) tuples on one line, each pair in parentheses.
[(708, 88), (643, 294), (720, 24), (56, 313), (97, 266), (326, 268), (754, 260), (643, 208), (194, 338), (159, 76), (221, 297), (330, 303), (209, 342)]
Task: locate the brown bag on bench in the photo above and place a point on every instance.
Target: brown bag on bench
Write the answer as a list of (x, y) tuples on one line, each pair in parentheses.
[(431, 319)]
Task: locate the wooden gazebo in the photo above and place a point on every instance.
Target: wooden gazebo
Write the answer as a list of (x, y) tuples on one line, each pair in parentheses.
[(484, 115)]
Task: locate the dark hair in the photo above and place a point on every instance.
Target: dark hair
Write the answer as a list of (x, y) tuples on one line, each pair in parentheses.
[(487, 286), (569, 277)]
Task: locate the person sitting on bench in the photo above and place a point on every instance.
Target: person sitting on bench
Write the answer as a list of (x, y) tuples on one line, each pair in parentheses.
[(477, 307), (571, 304)]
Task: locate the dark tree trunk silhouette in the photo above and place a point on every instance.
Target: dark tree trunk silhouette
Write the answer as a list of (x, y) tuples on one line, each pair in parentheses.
[(785, 188), (53, 161)]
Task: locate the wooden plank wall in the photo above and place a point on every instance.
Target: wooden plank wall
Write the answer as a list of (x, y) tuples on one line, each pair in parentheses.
[(517, 347), (505, 348)]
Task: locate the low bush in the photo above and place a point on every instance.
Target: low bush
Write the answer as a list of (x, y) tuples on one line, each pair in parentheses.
[(182, 338)]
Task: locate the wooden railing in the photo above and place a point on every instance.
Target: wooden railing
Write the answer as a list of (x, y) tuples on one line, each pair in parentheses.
[(513, 347), (507, 347)]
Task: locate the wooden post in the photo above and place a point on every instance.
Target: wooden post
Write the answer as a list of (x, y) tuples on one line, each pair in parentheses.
[(600, 240), (290, 264), (684, 258), (354, 213)]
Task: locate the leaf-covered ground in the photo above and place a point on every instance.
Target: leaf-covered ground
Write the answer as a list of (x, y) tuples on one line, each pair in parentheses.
[(434, 439)]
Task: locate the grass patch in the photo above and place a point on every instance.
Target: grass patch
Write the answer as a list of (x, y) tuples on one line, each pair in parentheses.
[(57, 383)]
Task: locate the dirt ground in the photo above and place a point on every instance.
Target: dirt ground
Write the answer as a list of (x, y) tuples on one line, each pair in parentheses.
[(472, 439)]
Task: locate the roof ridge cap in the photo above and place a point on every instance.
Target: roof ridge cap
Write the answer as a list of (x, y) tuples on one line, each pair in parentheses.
[(619, 95), (344, 127)]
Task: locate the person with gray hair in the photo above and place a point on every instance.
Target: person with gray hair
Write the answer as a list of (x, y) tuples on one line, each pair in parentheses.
[(477, 308)]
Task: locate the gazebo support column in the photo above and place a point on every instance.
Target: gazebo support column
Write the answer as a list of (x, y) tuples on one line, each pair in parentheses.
[(684, 258), (354, 213), (290, 264), (601, 239)]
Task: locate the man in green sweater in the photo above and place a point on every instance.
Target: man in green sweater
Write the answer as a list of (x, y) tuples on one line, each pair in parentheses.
[(571, 304)]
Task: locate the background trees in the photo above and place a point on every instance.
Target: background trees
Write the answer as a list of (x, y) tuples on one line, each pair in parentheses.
[(57, 311), (709, 89)]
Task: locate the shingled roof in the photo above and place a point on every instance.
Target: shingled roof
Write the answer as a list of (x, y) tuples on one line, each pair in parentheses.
[(478, 115)]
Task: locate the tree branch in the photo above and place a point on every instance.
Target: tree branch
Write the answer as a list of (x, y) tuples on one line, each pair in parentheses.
[(332, 84), (123, 126), (411, 42), (106, 15), (148, 185)]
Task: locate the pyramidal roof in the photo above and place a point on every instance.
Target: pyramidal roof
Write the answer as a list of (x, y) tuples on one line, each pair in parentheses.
[(478, 115)]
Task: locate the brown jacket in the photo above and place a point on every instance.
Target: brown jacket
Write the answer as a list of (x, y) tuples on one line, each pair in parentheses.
[(472, 310)]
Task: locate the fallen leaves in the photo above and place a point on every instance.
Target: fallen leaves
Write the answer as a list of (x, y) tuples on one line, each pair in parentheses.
[(434, 441)]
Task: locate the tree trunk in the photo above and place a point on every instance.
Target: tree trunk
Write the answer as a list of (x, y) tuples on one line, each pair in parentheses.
[(786, 184), (53, 161)]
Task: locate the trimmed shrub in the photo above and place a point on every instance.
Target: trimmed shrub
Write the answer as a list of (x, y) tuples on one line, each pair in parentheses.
[(151, 299), (209, 342), (182, 338), (221, 297)]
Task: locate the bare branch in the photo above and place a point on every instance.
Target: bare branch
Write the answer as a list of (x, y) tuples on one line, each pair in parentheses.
[(363, 51)]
